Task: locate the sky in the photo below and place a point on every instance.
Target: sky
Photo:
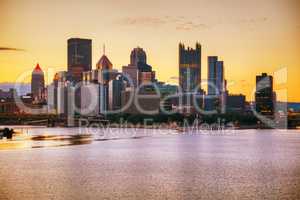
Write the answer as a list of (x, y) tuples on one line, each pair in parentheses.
[(250, 36)]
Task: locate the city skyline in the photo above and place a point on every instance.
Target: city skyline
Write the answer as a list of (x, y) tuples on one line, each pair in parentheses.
[(140, 99), (242, 40)]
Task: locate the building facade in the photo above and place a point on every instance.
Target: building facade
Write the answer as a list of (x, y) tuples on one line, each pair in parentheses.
[(215, 76), (138, 71), (104, 66), (236, 103), (147, 103), (265, 97), (115, 94), (138, 55), (79, 57), (90, 99), (216, 85), (189, 68), (37, 84)]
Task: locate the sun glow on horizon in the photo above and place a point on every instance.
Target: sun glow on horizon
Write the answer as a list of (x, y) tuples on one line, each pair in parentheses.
[(251, 37)]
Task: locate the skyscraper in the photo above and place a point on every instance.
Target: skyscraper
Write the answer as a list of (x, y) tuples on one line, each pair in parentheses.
[(189, 67), (138, 69), (131, 72), (216, 88), (212, 75), (52, 94), (264, 95), (220, 82), (79, 56), (236, 103), (37, 83), (138, 55), (62, 85), (115, 93), (90, 98), (105, 74), (105, 67), (216, 82)]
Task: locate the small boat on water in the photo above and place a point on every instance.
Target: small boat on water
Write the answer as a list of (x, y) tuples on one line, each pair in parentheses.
[(6, 132)]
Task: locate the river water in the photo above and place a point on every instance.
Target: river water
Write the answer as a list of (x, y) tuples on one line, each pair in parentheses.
[(64, 163)]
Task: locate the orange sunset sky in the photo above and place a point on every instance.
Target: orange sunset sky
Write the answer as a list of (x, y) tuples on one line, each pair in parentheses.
[(251, 36)]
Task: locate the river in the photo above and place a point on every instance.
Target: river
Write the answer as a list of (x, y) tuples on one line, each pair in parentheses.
[(65, 163)]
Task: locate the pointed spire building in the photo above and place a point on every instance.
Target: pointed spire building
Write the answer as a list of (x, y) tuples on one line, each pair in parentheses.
[(37, 83)]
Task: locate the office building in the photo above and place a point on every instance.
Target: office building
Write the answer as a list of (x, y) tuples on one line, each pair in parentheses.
[(79, 57), (220, 82), (37, 84), (236, 103), (264, 95), (147, 103), (104, 66), (216, 82), (90, 99), (138, 55), (131, 72), (116, 87), (138, 70), (216, 88), (189, 68), (66, 95), (51, 98)]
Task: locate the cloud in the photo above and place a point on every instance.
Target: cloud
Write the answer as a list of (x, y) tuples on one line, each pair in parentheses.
[(189, 25), (252, 24), (178, 22), (144, 21), (183, 23), (10, 49)]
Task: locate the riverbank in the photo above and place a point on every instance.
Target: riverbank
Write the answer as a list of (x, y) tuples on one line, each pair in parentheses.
[(164, 126), (177, 120)]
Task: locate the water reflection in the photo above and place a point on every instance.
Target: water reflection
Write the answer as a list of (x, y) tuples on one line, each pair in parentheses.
[(251, 164), (37, 139)]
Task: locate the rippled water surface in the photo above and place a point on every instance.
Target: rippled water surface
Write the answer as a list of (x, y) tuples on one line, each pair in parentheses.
[(60, 163)]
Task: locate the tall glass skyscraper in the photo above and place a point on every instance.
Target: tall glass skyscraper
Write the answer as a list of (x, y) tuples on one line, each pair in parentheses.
[(212, 75), (216, 82), (216, 88), (264, 95), (79, 54)]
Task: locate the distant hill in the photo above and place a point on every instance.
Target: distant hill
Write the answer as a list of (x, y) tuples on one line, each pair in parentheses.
[(24, 89)]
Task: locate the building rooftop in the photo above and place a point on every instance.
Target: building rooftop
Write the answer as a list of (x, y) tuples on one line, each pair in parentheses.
[(104, 63)]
